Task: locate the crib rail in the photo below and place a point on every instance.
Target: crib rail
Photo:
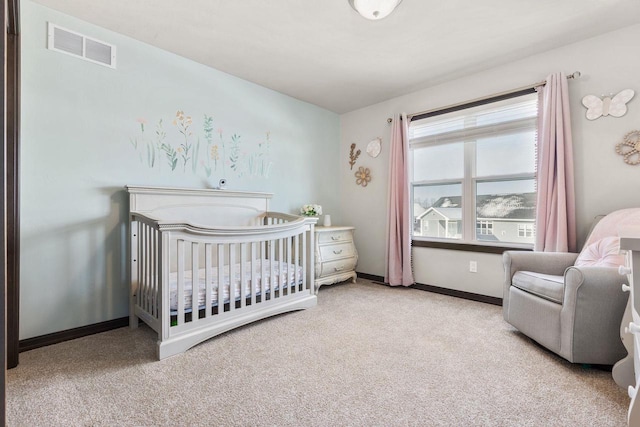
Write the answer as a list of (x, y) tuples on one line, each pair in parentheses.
[(202, 274)]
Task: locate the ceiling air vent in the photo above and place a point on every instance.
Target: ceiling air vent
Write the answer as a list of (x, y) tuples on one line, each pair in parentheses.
[(72, 43)]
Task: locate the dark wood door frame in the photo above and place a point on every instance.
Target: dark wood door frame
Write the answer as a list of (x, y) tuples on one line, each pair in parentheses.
[(12, 199), (3, 269), (9, 201), (9, 49)]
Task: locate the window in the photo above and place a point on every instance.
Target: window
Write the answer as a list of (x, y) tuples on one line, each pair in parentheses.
[(484, 228), (473, 173), (525, 230)]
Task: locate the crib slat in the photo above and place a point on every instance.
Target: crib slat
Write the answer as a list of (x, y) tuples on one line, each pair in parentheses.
[(304, 261), (296, 261), (280, 267), (288, 263), (158, 274), (272, 282), (263, 271), (207, 279), (232, 276), (149, 269), (195, 281), (180, 289), (145, 289), (164, 245), (243, 275), (221, 278), (254, 279), (142, 262), (152, 273), (153, 253), (139, 270)]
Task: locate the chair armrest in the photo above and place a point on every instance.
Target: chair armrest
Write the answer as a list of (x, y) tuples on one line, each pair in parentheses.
[(592, 310), (554, 263)]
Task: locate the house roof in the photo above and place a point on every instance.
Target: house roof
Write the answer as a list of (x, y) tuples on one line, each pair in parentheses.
[(507, 206), (448, 213), (492, 206)]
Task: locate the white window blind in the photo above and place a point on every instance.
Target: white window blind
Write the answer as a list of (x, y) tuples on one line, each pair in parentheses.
[(504, 117)]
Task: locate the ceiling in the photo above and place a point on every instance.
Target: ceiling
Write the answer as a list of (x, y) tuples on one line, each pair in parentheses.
[(324, 53)]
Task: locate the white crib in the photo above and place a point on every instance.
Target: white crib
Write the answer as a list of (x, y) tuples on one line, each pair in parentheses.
[(207, 261)]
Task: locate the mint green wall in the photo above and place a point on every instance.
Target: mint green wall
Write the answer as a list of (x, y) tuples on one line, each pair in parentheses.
[(78, 121)]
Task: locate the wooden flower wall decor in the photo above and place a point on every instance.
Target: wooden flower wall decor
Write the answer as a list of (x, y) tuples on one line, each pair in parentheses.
[(363, 176), (353, 156), (629, 148)]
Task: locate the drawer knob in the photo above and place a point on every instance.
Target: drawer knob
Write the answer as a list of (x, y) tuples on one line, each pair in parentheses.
[(626, 288), (335, 237), (339, 268), (337, 252), (633, 328), (624, 270)]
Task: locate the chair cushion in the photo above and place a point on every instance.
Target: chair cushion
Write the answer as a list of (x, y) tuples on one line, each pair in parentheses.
[(545, 286), (603, 253)]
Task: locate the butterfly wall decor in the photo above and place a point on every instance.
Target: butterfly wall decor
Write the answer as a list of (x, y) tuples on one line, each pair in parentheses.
[(615, 106)]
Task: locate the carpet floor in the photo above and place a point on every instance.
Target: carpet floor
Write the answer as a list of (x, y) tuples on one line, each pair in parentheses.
[(366, 355)]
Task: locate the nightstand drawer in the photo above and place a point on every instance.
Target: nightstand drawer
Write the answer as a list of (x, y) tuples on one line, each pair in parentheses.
[(337, 251), (335, 236), (337, 267)]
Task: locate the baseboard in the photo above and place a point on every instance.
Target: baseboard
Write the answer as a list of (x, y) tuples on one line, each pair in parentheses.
[(438, 290), (372, 277), (458, 294), (71, 334)]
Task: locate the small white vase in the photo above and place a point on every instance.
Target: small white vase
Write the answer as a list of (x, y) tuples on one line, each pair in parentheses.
[(327, 221)]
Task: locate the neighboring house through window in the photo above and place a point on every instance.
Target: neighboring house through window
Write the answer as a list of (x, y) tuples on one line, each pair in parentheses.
[(473, 172), (484, 228)]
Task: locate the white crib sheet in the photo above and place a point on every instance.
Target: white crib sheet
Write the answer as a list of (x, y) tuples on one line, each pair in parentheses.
[(288, 277)]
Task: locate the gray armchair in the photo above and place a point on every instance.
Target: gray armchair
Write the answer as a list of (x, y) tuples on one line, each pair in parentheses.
[(574, 311)]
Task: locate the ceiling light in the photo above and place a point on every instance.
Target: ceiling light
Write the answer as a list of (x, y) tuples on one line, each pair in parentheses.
[(374, 9)]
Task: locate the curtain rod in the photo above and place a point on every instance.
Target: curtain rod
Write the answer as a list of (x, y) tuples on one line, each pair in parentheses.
[(574, 75)]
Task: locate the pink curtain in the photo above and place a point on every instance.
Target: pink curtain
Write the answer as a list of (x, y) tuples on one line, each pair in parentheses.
[(398, 249), (555, 207)]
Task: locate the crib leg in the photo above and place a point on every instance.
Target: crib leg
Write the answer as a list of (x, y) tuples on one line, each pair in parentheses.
[(133, 321)]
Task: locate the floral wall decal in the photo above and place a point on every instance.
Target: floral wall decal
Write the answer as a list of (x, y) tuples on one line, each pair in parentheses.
[(353, 156), (259, 163), (212, 150), (183, 123), (363, 176), (201, 153)]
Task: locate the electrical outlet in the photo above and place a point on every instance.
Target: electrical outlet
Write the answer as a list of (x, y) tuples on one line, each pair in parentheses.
[(473, 266)]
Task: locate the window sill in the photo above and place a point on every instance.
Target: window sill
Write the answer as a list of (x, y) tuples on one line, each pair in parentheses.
[(469, 247)]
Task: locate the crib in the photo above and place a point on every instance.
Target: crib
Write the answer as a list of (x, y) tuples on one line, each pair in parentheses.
[(206, 261)]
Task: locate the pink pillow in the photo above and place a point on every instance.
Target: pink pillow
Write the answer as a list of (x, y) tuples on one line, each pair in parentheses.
[(610, 224), (603, 253)]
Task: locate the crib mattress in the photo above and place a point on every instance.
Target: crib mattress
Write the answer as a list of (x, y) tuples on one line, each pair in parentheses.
[(262, 270)]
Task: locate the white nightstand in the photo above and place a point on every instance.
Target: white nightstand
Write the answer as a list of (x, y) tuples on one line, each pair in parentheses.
[(336, 255)]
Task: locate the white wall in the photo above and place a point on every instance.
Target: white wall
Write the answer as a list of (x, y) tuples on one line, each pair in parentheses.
[(608, 63), (78, 121)]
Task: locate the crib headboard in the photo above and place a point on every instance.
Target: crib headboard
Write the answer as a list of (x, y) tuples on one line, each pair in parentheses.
[(199, 206)]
